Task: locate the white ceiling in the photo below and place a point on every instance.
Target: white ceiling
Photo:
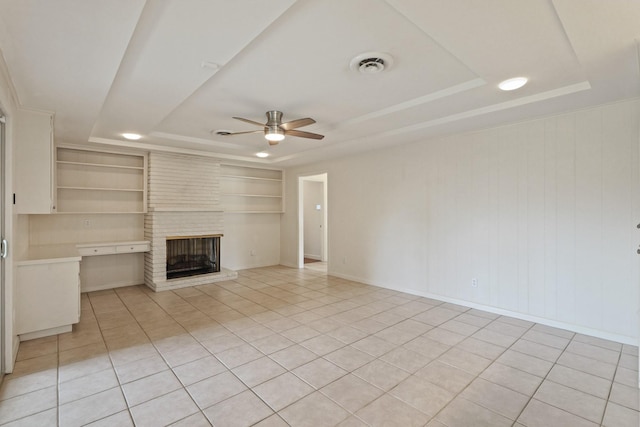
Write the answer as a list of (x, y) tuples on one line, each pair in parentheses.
[(108, 67)]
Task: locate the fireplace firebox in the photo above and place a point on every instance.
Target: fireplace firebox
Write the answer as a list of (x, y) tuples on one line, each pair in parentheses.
[(193, 255)]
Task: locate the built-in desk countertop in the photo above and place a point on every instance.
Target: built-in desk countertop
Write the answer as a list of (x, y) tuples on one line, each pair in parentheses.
[(74, 252)]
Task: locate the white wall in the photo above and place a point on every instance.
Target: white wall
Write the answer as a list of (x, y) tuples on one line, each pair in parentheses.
[(542, 213), (250, 240), (312, 196)]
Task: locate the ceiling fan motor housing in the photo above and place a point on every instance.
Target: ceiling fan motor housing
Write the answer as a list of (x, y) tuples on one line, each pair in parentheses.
[(274, 118)]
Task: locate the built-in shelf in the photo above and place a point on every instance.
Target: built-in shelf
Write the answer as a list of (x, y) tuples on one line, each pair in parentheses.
[(253, 212), (247, 189), (250, 177), (250, 195), (98, 165), (90, 181), (98, 189), (184, 209)]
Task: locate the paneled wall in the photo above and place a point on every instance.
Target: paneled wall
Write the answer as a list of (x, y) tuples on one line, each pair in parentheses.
[(542, 214), (251, 240)]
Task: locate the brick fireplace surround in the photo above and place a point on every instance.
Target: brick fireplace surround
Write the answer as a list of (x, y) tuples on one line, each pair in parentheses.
[(184, 200)]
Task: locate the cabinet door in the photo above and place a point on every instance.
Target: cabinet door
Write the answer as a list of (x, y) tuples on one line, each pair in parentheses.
[(33, 136), (47, 296)]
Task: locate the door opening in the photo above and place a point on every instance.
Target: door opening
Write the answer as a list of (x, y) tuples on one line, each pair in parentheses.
[(313, 219)]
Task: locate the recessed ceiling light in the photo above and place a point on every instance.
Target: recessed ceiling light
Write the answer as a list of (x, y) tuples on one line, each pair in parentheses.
[(513, 84), (262, 154), (132, 136)]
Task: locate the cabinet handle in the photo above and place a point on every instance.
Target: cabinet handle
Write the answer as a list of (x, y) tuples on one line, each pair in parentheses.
[(3, 249)]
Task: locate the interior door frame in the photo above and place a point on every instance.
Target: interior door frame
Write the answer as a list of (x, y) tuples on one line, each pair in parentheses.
[(324, 178), (4, 309)]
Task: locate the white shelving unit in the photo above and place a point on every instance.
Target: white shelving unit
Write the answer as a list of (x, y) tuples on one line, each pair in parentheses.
[(100, 182), (247, 189)]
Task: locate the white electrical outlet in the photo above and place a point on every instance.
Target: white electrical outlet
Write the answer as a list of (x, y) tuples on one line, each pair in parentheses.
[(253, 252), (87, 223), (474, 283)]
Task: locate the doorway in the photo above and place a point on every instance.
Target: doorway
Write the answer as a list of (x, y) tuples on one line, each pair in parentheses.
[(313, 219)]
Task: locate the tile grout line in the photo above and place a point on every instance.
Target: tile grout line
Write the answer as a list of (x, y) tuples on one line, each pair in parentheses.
[(543, 380), (244, 299), (613, 380), (113, 367), (479, 374)]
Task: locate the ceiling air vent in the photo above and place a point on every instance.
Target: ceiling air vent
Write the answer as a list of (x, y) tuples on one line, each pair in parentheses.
[(371, 62)]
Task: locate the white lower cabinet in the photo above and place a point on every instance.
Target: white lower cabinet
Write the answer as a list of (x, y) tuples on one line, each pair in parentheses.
[(47, 297)]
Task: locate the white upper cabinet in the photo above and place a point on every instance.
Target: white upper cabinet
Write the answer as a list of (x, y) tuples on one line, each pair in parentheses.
[(33, 136)]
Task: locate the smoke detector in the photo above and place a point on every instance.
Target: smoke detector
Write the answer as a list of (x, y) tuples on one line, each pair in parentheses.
[(371, 62)]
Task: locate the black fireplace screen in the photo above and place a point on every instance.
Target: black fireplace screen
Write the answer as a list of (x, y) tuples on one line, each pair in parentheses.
[(193, 256)]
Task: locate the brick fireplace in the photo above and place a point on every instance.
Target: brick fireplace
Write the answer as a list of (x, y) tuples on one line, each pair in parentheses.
[(184, 201)]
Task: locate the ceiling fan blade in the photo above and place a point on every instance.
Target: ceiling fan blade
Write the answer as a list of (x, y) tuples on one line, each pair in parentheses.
[(303, 134), (293, 124), (249, 121), (241, 133)]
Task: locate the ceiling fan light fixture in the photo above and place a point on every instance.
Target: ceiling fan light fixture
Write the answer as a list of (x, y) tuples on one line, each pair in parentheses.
[(273, 134), (513, 84), (262, 154)]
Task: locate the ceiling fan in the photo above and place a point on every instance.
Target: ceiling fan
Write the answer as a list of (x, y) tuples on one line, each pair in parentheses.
[(274, 130)]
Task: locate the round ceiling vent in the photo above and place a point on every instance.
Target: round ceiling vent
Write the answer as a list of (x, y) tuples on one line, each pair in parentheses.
[(222, 132), (371, 62)]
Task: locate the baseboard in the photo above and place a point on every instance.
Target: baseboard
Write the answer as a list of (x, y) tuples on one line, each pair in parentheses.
[(46, 333), (316, 257), (16, 345), (286, 264), (530, 318)]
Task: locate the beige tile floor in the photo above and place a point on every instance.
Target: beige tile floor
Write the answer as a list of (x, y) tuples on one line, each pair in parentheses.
[(281, 346)]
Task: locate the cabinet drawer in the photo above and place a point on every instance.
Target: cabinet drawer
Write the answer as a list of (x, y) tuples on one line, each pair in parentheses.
[(97, 250), (140, 247)]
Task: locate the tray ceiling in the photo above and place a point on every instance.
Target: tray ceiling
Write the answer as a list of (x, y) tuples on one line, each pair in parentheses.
[(174, 71)]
